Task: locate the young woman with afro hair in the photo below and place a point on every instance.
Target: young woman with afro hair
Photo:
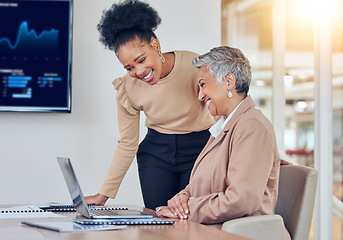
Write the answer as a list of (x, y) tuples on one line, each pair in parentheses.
[(164, 87)]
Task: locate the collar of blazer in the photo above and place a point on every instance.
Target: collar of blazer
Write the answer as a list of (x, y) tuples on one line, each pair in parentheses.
[(243, 108)]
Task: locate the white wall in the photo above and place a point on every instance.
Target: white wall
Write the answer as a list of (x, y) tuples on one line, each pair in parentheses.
[(30, 142)]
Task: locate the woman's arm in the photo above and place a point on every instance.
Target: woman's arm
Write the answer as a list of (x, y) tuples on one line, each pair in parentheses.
[(128, 122), (125, 152)]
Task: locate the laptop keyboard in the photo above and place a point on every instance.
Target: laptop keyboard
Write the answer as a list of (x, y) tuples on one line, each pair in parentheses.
[(105, 211), (96, 212)]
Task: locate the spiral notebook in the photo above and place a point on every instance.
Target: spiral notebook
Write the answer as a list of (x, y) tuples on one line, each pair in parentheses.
[(148, 221), (29, 211), (61, 207)]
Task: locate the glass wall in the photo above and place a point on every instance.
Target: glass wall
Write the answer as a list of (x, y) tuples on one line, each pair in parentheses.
[(249, 25), (299, 84), (337, 85)]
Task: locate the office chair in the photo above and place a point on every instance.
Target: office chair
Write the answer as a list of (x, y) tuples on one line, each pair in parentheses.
[(294, 208)]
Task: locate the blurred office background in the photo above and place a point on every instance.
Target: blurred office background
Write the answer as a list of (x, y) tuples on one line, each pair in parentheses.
[(296, 52)]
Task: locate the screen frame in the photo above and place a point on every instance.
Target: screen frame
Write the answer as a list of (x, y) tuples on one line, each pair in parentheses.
[(67, 109)]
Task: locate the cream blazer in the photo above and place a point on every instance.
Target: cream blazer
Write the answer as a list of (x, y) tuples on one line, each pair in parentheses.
[(237, 173)]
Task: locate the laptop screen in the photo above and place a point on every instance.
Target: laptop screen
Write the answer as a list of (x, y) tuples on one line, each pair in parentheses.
[(73, 186)]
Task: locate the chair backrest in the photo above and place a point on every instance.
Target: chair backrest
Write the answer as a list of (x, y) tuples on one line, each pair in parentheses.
[(297, 191)]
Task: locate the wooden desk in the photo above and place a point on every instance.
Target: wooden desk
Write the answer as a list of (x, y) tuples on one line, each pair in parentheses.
[(12, 229)]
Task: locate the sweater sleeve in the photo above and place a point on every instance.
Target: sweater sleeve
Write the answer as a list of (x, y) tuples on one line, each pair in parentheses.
[(247, 174), (128, 121)]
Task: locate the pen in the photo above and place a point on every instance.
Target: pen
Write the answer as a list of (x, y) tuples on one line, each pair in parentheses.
[(158, 209)]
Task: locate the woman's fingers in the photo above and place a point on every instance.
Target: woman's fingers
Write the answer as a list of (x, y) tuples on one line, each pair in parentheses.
[(164, 211), (178, 205)]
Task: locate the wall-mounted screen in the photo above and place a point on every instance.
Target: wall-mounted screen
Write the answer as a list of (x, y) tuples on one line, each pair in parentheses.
[(35, 55)]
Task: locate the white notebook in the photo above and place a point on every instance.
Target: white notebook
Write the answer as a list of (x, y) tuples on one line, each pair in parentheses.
[(29, 211)]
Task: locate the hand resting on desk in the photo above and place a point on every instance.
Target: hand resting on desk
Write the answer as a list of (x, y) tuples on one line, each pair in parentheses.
[(164, 211), (177, 207)]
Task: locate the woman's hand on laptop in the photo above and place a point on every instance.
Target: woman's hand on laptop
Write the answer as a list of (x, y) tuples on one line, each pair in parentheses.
[(97, 199)]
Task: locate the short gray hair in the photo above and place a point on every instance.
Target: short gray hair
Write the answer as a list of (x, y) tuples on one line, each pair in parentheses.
[(222, 60)]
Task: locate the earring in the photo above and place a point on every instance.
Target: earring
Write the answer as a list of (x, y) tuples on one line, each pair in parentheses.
[(229, 94), (161, 56)]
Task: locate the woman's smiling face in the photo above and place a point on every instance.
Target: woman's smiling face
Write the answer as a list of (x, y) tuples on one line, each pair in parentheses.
[(212, 93), (141, 60)]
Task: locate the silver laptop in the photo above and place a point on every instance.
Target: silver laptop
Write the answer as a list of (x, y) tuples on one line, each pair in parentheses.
[(80, 202)]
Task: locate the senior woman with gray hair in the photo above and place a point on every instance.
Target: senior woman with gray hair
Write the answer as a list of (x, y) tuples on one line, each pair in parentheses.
[(237, 172)]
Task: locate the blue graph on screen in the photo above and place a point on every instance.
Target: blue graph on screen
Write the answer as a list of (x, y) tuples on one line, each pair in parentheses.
[(35, 55), (29, 41)]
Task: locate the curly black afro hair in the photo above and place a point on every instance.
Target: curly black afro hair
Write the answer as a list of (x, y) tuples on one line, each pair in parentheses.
[(125, 21)]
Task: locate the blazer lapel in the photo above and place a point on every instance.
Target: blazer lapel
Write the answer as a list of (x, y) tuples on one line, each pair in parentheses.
[(211, 143), (242, 109), (246, 104)]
